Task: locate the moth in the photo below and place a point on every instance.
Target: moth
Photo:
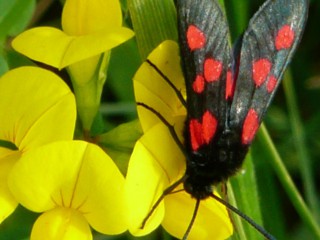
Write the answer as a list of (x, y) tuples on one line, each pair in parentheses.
[(229, 90)]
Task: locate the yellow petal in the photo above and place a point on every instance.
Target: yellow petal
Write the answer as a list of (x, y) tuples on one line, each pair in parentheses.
[(54, 47), (33, 100), (7, 202), (145, 182), (87, 46), (43, 44), (81, 73), (72, 174), (61, 224), (212, 220), (151, 88), (153, 166), (82, 17), (101, 186)]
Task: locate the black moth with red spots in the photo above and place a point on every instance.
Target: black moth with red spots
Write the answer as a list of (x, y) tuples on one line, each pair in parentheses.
[(229, 93)]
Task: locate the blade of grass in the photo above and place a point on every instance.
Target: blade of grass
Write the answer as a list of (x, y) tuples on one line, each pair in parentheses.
[(301, 146), (235, 218), (244, 186), (269, 192), (287, 183), (153, 21)]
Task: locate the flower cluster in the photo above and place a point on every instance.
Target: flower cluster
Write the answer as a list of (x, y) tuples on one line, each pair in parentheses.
[(74, 184), (90, 30), (45, 170)]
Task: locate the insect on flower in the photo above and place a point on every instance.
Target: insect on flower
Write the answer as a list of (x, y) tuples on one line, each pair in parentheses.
[(228, 92)]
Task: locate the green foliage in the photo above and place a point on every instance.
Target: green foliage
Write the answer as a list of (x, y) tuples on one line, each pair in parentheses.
[(120, 141), (15, 15), (18, 225)]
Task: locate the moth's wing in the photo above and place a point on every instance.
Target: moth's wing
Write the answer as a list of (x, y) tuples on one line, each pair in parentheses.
[(268, 45), (206, 57)]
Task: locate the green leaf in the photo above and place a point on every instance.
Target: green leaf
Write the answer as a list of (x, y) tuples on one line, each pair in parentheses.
[(269, 192), (3, 65), (153, 21), (15, 16), (119, 142), (98, 125), (244, 187)]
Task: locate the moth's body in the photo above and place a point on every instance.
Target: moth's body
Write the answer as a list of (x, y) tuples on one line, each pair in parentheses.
[(213, 164)]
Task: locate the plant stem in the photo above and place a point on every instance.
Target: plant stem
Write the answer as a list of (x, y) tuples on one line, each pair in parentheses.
[(288, 184), (300, 144)]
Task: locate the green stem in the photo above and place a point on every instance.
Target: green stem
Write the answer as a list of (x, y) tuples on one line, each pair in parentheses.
[(237, 220), (288, 184), (300, 144), (242, 190), (222, 5)]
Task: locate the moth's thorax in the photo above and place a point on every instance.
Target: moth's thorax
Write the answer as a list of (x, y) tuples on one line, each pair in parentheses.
[(214, 162)]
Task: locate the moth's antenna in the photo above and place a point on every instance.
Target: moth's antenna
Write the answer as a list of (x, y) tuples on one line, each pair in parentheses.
[(244, 217)]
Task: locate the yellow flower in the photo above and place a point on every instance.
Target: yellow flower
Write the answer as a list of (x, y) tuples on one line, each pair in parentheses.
[(157, 162), (91, 28), (75, 184), (36, 108)]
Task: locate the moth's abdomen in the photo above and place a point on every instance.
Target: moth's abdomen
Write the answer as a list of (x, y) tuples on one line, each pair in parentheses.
[(214, 162)]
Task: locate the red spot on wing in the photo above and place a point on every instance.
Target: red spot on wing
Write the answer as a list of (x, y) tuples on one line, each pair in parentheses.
[(260, 70), (198, 84), (212, 69), (229, 85), (202, 132), (284, 38), (195, 37), (209, 126), (250, 127), (271, 84), (195, 128)]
